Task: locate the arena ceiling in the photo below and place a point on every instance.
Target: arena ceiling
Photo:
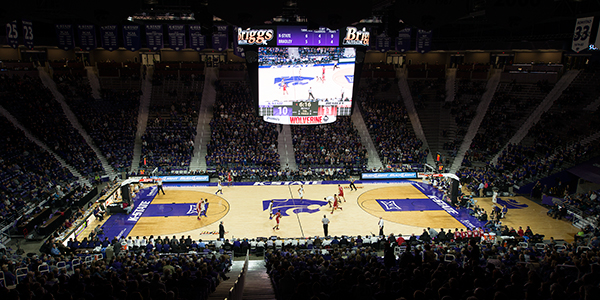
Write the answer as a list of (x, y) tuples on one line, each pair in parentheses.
[(456, 24)]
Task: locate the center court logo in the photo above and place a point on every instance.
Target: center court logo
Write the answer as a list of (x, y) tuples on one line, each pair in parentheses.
[(292, 80), (306, 206)]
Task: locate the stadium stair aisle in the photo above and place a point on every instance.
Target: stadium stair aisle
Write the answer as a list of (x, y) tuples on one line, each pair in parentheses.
[(94, 82), (142, 119), (203, 132), (222, 290), (593, 106), (535, 116), (258, 283), (412, 112), (486, 99), (366, 139), (32, 138), (51, 85), (287, 155), (450, 85)]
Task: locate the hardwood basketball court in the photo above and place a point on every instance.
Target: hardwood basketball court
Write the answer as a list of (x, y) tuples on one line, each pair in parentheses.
[(406, 208)]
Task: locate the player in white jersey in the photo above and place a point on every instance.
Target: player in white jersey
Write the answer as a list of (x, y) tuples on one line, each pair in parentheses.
[(301, 192), (270, 210), (200, 207), (219, 187), (330, 200)]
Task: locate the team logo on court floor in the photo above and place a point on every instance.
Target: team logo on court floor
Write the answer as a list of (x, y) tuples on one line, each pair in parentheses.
[(295, 205), (292, 80), (512, 203), (407, 204)]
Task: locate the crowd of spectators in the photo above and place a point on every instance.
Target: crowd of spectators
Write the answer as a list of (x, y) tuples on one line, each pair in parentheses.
[(110, 121), (29, 173), (35, 107), (278, 174), (168, 142), (239, 138), (432, 269), (128, 275), (390, 128), (507, 111), (337, 144)]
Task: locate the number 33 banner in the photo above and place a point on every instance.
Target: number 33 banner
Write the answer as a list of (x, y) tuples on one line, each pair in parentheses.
[(581, 36)]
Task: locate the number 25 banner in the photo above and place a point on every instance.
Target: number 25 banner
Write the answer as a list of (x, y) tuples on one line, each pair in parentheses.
[(581, 36)]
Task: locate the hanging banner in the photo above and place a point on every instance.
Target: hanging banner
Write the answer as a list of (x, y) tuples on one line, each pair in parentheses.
[(403, 40), (131, 37), (87, 37), (12, 34), (197, 40), (176, 37), (154, 37), (222, 28), (64, 36), (383, 42), (108, 36), (423, 41), (28, 34), (219, 41), (237, 49), (581, 36)]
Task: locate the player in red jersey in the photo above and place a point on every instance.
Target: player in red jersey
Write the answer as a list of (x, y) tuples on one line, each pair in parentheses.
[(469, 234), (341, 192), (277, 217), (336, 203), (229, 178), (476, 234), (284, 87), (463, 235), (457, 236)]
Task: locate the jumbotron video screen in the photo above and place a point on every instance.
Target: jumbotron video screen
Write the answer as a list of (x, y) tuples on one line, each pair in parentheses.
[(305, 85)]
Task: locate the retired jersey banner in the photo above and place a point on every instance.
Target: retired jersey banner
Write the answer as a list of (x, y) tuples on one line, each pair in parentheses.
[(581, 36), (176, 37), (12, 34), (87, 37), (64, 36), (132, 37), (219, 41), (108, 36), (423, 41), (222, 28), (154, 37), (237, 49), (197, 40), (28, 34), (403, 40), (383, 43)]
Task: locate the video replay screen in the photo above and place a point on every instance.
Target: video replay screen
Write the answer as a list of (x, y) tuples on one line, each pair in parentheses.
[(305, 85)]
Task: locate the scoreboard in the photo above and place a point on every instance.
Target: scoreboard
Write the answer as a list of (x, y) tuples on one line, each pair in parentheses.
[(302, 109), (300, 36), (305, 76)]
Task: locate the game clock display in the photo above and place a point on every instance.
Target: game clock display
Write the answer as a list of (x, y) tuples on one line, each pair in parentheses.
[(298, 109)]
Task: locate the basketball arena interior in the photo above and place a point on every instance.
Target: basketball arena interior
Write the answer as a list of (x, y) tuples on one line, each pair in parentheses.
[(387, 149)]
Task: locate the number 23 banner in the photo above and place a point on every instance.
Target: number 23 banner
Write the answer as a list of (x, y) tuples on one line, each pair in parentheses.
[(581, 36)]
